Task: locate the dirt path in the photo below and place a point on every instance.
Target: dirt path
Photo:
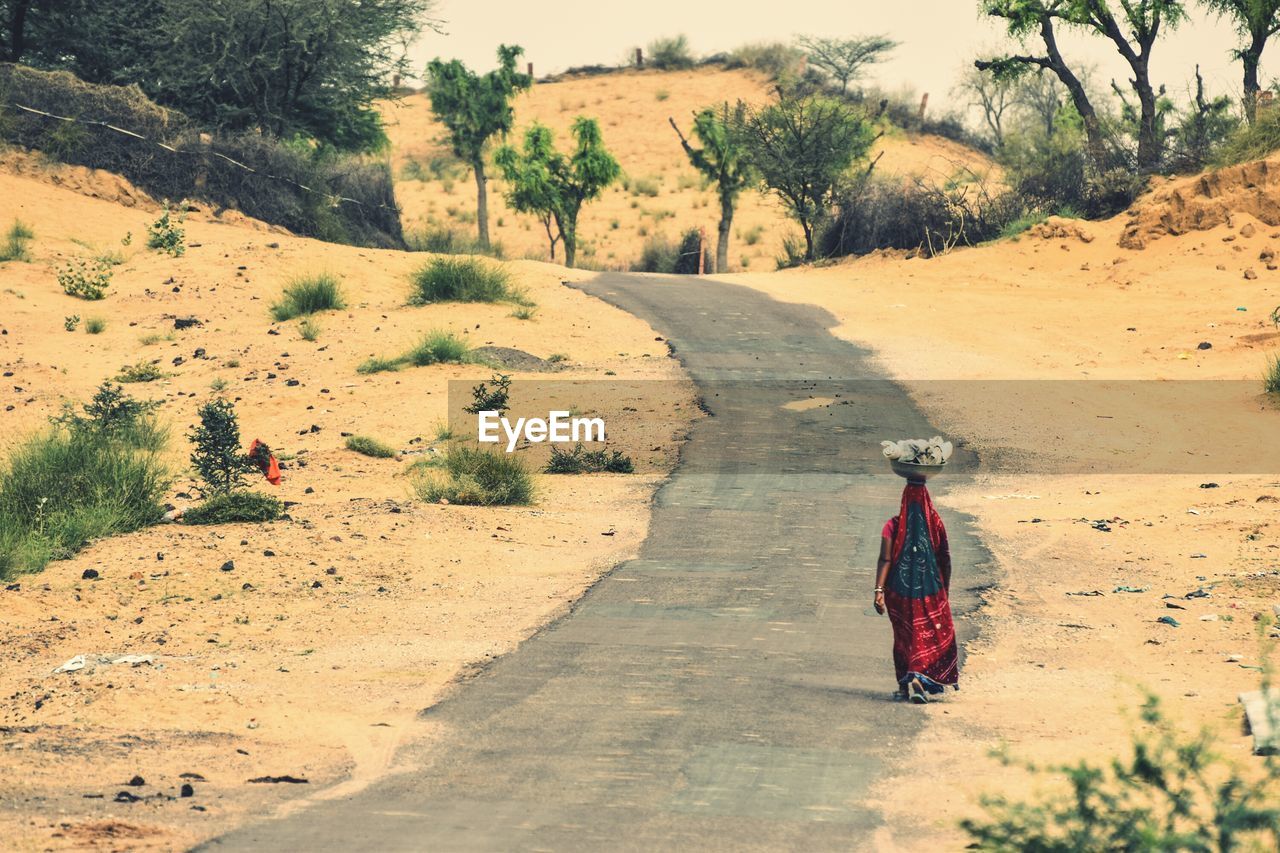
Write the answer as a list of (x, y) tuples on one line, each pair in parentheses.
[(728, 689)]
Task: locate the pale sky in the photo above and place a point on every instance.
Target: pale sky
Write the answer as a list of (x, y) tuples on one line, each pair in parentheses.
[(938, 37)]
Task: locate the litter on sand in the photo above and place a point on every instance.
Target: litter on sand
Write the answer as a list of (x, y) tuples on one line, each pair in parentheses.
[(1170, 621), (1259, 710), (73, 665), (1131, 589)]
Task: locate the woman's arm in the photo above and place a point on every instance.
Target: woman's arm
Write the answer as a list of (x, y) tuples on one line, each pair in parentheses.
[(882, 572)]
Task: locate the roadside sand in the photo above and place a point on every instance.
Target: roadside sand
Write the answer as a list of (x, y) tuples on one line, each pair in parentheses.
[(313, 655), (1055, 676)]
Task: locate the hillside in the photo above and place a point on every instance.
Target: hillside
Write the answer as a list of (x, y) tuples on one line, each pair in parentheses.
[(662, 193), (334, 626)]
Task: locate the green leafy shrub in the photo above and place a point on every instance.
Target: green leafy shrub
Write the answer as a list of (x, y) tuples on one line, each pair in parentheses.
[(309, 295), (15, 243), (167, 235), (142, 371), (90, 475), (658, 254), (366, 446), (583, 461), (670, 53), (71, 322), (235, 507), (85, 281), (1173, 793), (478, 478), (463, 280)]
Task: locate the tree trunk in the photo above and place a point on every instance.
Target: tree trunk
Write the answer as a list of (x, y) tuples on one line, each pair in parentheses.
[(808, 239), (1094, 140), (551, 238), (1250, 58), (569, 233), (722, 240), (1150, 145), (482, 203), (18, 30)]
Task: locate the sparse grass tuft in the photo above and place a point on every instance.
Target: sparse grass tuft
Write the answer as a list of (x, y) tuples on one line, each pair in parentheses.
[(524, 312), (309, 295), (95, 325), (367, 446), (447, 241), (478, 478), (15, 243), (233, 507), (438, 347), (143, 371), (1271, 378), (462, 280), (309, 329)]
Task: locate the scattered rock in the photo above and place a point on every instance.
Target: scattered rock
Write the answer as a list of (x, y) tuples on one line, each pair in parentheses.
[(89, 575), (185, 322), (1248, 230), (186, 791), (1250, 274), (126, 797), (228, 566), (275, 780), (1204, 345), (136, 782)]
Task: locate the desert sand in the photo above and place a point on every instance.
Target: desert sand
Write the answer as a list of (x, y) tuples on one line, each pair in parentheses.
[(633, 108), (312, 656), (1057, 676)]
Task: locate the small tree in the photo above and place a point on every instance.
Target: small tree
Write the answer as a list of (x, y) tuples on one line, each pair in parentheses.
[(554, 187), (995, 96), (844, 59), (217, 457), (475, 108), (1256, 21), (722, 160), (802, 146)]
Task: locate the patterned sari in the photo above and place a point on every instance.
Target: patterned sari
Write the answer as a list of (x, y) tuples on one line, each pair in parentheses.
[(916, 594)]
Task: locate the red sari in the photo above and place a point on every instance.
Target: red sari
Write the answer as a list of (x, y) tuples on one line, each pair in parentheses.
[(916, 594)]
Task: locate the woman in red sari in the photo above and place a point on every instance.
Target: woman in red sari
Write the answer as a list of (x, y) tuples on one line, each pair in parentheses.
[(913, 578)]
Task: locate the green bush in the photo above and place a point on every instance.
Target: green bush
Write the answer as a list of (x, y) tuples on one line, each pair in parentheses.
[(367, 446), (1271, 378), (16, 238), (658, 254), (775, 59), (439, 347), (166, 234), (670, 53), (88, 476), (647, 186), (83, 281), (1173, 793), (235, 507), (309, 295), (446, 241), (463, 280), (367, 215), (309, 329), (478, 478), (143, 371), (1252, 141), (116, 415), (216, 456), (583, 461), (95, 325)]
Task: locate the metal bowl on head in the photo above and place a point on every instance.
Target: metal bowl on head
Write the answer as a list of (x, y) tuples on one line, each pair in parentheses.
[(913, 471)]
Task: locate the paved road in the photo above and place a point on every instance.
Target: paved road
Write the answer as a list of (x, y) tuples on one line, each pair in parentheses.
[(727, 690)]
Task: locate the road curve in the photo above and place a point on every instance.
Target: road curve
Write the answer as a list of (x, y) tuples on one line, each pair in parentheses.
[(729, 688)]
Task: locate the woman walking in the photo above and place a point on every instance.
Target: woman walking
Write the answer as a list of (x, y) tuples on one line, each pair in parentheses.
[(913, 578)]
